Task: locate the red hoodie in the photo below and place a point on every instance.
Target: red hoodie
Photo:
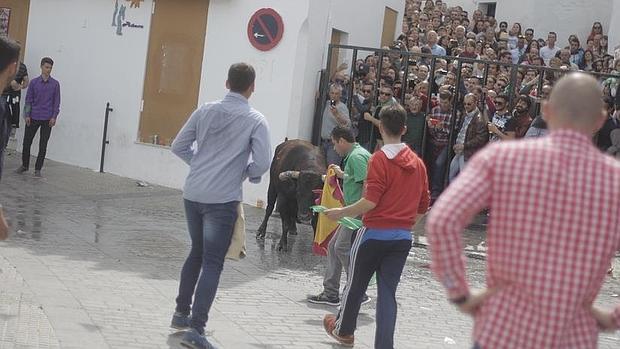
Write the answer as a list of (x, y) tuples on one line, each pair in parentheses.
[(398, 186)]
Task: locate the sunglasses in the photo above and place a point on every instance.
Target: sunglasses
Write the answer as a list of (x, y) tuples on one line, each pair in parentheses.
[(385, 93)]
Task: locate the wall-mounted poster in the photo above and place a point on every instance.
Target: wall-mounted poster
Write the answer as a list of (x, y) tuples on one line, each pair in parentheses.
[(5, 16)]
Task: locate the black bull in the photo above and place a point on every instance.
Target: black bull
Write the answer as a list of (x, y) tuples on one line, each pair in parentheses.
[(296, 170)]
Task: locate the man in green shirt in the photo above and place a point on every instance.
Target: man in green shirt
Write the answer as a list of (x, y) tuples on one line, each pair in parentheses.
[(355, 169)]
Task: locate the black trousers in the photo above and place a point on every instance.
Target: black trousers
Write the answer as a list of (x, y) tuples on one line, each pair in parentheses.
[(31, 131), (386, 258), (12, 109)]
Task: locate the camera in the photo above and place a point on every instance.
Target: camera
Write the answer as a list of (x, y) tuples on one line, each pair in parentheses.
[(332, 103), (362, 70)]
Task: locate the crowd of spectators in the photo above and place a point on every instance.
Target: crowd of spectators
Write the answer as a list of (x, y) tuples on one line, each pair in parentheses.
[(503, 87)]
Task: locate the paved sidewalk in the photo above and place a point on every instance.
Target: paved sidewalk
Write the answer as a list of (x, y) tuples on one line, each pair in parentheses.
[(94, 260)]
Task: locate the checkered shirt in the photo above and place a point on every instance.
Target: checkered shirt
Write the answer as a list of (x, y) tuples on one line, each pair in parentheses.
[(439, 136), (554, 227)]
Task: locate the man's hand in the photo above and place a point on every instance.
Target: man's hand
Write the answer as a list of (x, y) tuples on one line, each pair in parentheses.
[(339, 172), (458, 148), (604, 319), (16, 86), (28, 121), (493, 128), (4, 227), (475, 300), (52, 122), (334, 213), (368, 117)]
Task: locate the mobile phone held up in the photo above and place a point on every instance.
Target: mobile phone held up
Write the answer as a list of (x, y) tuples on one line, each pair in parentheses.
[(332, 103)]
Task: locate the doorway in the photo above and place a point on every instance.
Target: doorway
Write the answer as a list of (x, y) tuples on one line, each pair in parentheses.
[(389, 27), (14, 21), (173, 68)]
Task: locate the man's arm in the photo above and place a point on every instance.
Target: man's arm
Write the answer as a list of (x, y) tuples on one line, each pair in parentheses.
[(56, 103), (15, 86), (4, 227), (503, 136), (608, 321), (341, 115), (260, 144), (372, 119), (425, 200), (375, 187), (182, 145), (481, 138), (25, 82), (28, 103), (462, 200), (357, 209)]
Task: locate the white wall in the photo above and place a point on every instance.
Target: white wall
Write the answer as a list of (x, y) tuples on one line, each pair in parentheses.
[(277, 70), (563, 17), (96, 66), (614, 27)]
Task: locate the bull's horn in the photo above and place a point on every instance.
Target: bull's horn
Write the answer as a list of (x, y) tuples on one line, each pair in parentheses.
[(288, 174), (323, 177)]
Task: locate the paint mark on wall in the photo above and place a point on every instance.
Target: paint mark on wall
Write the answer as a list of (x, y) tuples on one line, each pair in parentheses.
[(119, 16)]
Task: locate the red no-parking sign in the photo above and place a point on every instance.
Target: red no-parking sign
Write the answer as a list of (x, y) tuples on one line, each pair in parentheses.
[(265, 29)]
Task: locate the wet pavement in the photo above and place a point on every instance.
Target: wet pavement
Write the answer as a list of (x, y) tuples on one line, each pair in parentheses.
[(94, 259)]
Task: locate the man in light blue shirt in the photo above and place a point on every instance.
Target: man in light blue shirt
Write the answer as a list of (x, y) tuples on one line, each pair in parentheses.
[(223, 142), (432, 40)]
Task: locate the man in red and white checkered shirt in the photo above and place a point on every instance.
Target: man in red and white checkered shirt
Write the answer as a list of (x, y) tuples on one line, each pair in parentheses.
[(554, 228)]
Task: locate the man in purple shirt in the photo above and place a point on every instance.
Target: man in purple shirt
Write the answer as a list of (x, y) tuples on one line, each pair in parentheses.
[(40, 111)]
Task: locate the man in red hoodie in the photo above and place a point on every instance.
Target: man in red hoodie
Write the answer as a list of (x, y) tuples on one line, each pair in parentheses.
[(395, 193)]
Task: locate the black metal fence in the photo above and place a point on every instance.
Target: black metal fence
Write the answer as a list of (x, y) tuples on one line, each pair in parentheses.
[(408, 59)]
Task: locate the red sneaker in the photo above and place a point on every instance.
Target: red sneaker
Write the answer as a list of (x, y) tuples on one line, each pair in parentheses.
[(329, 324)]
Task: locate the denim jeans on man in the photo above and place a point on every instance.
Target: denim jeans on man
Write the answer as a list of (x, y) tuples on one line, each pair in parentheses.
[(210, 228), (438, 169), (224, 143)]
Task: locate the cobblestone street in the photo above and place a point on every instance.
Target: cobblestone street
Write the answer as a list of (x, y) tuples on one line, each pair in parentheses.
[(94, 259)]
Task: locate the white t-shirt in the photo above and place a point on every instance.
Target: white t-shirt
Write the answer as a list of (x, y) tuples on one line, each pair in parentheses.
[(547, 53)]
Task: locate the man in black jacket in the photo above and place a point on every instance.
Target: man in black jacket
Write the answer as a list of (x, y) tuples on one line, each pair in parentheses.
[(603, 139), (9, 59)]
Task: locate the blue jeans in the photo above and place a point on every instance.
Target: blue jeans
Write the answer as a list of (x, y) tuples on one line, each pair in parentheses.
[(210, 229), (456, 166), (438, 171)]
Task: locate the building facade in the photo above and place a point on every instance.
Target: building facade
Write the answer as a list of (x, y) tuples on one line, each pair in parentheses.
[(155, 61)]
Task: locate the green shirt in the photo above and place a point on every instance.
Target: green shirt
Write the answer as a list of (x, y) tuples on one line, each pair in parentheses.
[(355, 170)]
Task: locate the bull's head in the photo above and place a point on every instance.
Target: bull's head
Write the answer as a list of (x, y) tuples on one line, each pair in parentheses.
[(305, 183)]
